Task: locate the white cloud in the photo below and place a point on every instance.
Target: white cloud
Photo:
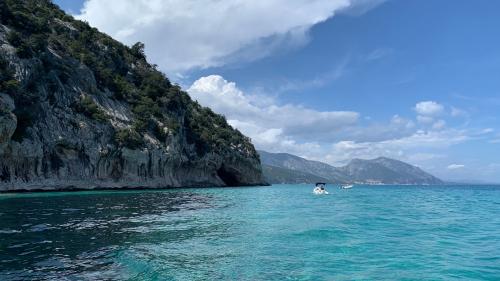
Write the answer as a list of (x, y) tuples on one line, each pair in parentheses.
[(439, 125), (424, 157), (378, 54), (360, 7), (318, 81), (429, 108), (398, 120), (331, 136), (396, 127), (457, 112), (455, 166), (403, 148), (267, 122), (424, 119), (185, 34)]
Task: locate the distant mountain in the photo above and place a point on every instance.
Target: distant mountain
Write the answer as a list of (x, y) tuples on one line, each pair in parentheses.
[(288, 168), (282, 175), (386, 170), (296, 163)]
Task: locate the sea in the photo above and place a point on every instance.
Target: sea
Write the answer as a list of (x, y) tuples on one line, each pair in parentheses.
[(280, 232)]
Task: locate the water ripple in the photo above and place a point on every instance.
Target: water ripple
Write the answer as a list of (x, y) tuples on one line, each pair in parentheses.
[(278, 233)]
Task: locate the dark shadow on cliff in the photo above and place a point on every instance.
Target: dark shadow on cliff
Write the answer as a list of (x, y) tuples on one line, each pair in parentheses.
[(228, 177)]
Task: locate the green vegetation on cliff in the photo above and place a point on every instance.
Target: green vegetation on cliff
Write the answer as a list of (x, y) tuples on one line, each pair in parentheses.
[(8, 84), (38, 29)]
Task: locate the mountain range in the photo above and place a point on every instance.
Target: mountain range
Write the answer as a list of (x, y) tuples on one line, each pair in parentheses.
[(288, 168)]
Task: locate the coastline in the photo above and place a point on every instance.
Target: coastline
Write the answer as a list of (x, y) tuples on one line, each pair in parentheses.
[(120, 188)]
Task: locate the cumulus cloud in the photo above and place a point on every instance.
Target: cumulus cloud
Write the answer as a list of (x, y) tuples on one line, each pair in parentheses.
[(267, 122), (404, 148), (331, 136), (185, 34), (455, 166), (429, 108)]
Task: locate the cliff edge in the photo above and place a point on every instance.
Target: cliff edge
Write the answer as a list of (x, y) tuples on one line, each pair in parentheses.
[(81, 110)]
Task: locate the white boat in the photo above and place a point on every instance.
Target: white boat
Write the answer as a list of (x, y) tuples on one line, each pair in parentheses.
[(347, 186), (320, 189)]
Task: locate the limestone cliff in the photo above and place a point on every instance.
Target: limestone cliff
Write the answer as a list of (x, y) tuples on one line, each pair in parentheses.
[(80, 110)]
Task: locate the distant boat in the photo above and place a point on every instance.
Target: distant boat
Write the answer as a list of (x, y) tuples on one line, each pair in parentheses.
[(347, 186), (320, 189)]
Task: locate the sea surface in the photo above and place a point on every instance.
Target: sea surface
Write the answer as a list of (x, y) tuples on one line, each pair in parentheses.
[(282, 232)]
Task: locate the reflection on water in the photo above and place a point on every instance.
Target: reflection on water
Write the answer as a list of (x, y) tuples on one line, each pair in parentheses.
[(271, 233), (80, 234)]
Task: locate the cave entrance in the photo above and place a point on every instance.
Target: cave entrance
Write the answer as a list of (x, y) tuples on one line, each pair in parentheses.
[(228, 177)]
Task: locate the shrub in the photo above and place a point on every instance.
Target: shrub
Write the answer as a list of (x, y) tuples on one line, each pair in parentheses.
[(14, 38), (23, 49), (128, 138), (159, 132), (38, 43), (122, 88), (137, 50), (148, 106), (89, 108), (173, 125), (8, 84), (140, 125), (10, 87)]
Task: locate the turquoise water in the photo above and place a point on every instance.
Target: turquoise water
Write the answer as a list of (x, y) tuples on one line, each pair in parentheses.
[(281, 232)]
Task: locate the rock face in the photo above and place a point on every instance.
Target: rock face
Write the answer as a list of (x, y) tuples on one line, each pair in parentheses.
[(8, 120), (80, 110)]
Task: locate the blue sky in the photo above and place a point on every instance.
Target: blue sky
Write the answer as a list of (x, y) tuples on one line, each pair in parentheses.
[(333, 80)]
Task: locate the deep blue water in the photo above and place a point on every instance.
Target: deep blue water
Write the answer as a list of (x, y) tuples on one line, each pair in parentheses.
[(283, 232)]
